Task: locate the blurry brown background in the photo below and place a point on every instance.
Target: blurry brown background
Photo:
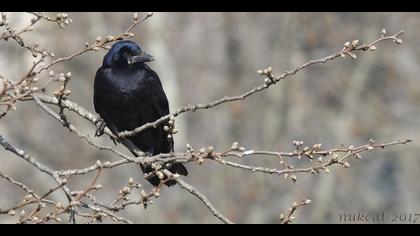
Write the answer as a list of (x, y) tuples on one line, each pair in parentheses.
[(201, 57)]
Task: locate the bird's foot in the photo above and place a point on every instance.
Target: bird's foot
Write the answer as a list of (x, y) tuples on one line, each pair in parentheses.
[(101, 125), (148, 153)]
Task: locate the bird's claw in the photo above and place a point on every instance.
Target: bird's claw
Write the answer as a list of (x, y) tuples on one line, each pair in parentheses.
[(101, 125)]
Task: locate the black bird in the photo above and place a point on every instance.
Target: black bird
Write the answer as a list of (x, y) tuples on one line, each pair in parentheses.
[(128, 94)]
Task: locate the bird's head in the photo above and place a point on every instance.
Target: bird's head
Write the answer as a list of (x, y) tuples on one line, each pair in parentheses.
[(125, 53)]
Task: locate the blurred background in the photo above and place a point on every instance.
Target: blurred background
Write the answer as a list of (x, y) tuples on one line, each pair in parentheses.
[(201, 57)]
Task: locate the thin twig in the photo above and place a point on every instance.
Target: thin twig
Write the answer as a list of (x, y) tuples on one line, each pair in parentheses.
[(289, 218), (202, 197)]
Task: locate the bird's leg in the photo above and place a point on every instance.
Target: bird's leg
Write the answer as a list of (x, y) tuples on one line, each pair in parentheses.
[(149, 153), (101, 125), (151, 169)]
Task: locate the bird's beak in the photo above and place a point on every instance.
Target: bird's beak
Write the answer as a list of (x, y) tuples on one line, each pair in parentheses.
[(144, 57)]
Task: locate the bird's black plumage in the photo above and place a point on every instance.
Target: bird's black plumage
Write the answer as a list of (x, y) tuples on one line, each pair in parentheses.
[(128, 94)]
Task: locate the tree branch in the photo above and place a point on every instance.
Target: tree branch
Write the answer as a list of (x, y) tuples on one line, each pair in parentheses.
[(184, 185), (269, 80)]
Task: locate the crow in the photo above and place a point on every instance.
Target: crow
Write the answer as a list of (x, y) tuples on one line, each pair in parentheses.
[(129, 94)]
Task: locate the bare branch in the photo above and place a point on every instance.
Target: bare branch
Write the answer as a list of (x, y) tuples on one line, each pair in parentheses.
[(289, 218), (200, 196), (98, 44), (269, 80)]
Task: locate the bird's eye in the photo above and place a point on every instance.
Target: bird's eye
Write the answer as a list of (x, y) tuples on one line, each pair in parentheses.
[(125, 54)]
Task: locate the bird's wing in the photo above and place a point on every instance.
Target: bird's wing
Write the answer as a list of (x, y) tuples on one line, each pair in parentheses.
[(98, 89), (101, 88), (161, 105), (161, 108), (99, 93)]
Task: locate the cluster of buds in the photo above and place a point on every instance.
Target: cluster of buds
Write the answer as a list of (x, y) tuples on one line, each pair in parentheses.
[(22, 215), (200, 158), (306, 151), (209, 150), (47, 53), (235, 147), (109, 38), (205, 152), (34, 48), (396, 40), (25, 86), (335, 159), (345, 164), (372, 141), (126, 190), (61, 77), (63, 20), (135, 17), (348, 47), (145, 198), (63, 93), (290, 218), (269, 77), (132, 184), (297, 143), (190, 149), (317, 147), (98, 39), (127, 35), (292, 177), (296, 205), (156, 166), (96, 45), (170, 127), (160, 175)]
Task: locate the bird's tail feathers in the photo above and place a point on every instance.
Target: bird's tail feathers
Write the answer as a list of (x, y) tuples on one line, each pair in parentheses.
[(179, 168)]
